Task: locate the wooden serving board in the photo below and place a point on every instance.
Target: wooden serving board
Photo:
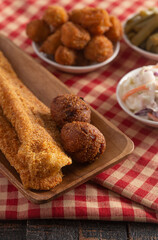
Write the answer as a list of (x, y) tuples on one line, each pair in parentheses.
[(46, 86)]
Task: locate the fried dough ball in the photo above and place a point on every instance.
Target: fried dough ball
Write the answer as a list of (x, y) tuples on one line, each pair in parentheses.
[(55, 16), (115, 32), (68, 108), (65, 56), (51, 44), (83, 141), (98, 49), (37, 30), (74, 36), (96, 20)]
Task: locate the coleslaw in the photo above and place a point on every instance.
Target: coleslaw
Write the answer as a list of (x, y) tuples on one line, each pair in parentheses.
[(140, 93)]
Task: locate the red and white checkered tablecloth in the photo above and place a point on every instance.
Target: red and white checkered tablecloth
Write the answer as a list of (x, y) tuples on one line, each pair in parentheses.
[(129, 190)]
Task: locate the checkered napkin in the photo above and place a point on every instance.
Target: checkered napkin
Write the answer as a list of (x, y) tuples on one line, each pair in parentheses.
[(129, 190)]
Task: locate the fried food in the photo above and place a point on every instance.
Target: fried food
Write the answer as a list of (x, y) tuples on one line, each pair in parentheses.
[(96, 20), (83, 141), (115, 32), (81, 60), (27, 125), (73, 41), (9, 144), (74, 36), (68, 108), (65, 56), (98, 49), (55, 16), (37, 30), (50, 45)]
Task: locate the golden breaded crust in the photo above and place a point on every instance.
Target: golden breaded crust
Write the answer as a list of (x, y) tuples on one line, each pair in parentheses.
[(55, 16), (115, 32), (98, 49), (40, 157), (50, 45), (95, 20), (9, 144), (74, 36)]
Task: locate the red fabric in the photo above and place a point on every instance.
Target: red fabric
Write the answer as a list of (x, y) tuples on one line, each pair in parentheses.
[(129, 190)]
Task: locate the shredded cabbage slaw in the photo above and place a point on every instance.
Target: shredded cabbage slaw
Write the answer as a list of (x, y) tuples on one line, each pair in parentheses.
[(140, 93)]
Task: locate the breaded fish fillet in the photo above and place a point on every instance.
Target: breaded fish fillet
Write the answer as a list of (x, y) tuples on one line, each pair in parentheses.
[(38, 156)]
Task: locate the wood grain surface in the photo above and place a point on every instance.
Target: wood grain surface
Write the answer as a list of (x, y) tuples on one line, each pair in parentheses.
[(46, 86), (76, 230)]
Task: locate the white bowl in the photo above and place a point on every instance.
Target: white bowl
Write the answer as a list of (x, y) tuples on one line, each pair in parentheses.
[(75, 69), (123, 105), (146, 54)]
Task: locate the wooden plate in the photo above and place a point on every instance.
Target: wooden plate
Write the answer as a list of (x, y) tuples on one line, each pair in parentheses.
[(46, 86)]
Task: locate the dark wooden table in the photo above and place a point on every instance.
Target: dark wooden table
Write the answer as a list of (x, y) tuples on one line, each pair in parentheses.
[(76, 230)]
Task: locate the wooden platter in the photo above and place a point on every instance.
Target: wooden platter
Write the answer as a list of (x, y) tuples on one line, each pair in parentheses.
[(46, 86)]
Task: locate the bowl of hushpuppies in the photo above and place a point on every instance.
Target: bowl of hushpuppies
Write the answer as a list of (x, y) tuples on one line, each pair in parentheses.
[(78, 41)]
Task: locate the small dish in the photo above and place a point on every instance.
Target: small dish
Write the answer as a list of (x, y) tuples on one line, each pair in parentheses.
[(75, 69), (145, 53), (123, 105)]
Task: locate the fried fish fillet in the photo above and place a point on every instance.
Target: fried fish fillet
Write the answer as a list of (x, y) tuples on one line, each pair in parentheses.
[(37, 155)]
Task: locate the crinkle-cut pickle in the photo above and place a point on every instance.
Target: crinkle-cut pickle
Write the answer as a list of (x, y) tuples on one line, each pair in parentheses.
[(150, 26), (131, 23)]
